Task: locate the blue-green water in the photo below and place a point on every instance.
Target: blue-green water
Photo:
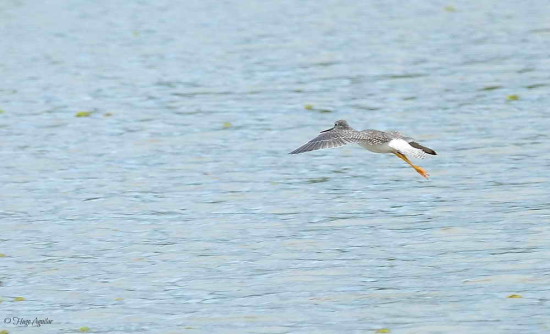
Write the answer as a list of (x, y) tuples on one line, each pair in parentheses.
[(175, 208)]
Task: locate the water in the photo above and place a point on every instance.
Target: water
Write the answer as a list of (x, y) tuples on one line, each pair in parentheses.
[(154, 215)]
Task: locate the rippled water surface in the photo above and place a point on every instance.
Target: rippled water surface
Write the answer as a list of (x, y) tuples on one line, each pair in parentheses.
[(172, 206)]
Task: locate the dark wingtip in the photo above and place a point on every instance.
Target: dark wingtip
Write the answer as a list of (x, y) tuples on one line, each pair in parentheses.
[(429, 151), (423, 148)]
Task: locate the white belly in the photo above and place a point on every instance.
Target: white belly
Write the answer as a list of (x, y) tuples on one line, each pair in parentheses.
[(380, 148)]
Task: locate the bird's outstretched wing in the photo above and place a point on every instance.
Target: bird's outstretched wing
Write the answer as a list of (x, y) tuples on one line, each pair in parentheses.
[(329, 139)]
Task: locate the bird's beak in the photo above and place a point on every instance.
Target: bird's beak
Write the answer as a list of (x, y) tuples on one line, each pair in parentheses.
[(328, 129)]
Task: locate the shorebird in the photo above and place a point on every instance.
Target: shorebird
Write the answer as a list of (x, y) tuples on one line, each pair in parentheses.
[(373, 140)]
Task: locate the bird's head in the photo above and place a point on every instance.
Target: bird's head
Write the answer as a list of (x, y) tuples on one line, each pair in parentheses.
[(339, 125)]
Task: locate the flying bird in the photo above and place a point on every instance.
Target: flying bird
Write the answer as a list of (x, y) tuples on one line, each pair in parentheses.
[(373, 140)]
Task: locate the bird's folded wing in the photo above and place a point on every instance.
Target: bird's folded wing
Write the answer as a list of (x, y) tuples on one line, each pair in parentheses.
[(403, 147), (324, 140)]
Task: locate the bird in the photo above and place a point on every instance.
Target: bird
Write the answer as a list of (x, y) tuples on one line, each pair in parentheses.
[(376, 141)]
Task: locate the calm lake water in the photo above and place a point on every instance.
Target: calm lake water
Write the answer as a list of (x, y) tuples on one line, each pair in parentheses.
[(172, 206)]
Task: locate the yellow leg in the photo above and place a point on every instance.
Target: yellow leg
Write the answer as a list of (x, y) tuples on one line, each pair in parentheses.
[(419, 169)]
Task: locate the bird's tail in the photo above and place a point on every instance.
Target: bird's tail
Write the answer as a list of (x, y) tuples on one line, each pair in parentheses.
[(423, 148)]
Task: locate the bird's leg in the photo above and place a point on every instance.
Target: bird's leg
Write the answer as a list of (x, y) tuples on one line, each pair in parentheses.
[(419, 169)]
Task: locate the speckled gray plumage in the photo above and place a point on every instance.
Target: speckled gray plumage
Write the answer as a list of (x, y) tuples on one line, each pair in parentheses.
[(342, 134)]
